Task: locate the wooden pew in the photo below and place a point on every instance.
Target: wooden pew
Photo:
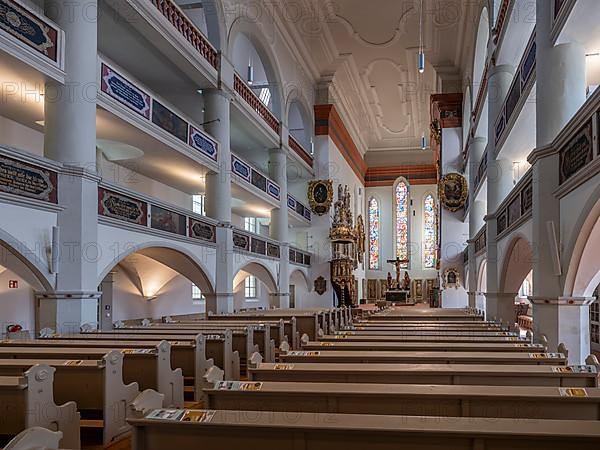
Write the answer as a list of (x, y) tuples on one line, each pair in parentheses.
[(426, 333), (95, 385), (218, 348), (361, 337), (426, 316), (384, 326), (418, 323), (467, 374), (280, 330), (306, 323), (149, 367), (254, 430), (421, 357), (246, 339), (27, 400), (524, 402), (398, 346)]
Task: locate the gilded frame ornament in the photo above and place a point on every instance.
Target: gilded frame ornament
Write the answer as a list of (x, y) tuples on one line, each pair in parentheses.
[(453, 191), (320, 196), (451, 278)]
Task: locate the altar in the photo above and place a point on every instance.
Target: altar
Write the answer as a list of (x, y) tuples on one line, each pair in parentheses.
[(398, 297)]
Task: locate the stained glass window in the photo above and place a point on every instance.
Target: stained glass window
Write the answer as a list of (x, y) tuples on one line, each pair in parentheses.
[(373, 234), (401, 199), (429, 232)]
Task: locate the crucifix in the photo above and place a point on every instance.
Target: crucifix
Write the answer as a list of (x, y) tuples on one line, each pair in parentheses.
[(398, 264)]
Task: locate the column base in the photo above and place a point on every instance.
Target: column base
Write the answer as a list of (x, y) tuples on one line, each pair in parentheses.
[(500, 306), (564, 320), (64, 312), (219, 303)]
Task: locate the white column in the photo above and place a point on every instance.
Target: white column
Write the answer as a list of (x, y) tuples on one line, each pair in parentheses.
[(218, 200), (560, 92), (499, 173), (476, 214), (70, 137), (218, 185), (279, 228)]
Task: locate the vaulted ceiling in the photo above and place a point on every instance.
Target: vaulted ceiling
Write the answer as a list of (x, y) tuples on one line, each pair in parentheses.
[(368, 51)]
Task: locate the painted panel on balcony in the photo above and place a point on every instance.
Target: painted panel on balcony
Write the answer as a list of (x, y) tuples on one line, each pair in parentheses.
[(122, 207), (258, 246), (528, 64), (527, 198), (201, 230), (514, 211), (165, 220), (201, 142), (291, 202), (273, 190), (577, 153), (125, 92), (241, 241), (169, 121), (259, 180), (240, 168), (28, 28), (272, 250), (28, 180)]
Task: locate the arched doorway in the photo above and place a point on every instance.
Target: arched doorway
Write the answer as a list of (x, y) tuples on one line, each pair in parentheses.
[(253, 286), (153, 282), (299, 289), (22, 273)]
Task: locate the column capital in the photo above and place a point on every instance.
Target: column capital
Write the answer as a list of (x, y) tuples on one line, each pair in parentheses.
[(562, 301)]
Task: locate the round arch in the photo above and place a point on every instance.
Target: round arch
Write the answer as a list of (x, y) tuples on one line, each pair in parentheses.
[(258, 270), (175, 257), (583, 269), (18, 258), (299, 274), (299, 120), (518, 262), (480, 55), (242, 33)]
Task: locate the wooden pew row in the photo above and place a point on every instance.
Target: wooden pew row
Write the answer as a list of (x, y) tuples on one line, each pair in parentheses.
[(254, 430), (420, 323), (306, 323), (96, 386), (448, 333), (467, 374), (149, 367), (217, 347), (352, 336), (189, 356), (242, 340), (27, 400), (36, 438), (519, 402), (421, 357), (425, 317), (422, 327), (439, 346), (281, 330), (247, 338)]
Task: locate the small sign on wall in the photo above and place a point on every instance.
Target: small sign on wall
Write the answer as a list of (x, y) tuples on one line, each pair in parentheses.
[(13, 284)]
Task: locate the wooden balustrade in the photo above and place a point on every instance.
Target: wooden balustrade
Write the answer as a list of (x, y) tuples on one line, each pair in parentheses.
[(501, 21), (255, 103), (479, 102), (188, 30)]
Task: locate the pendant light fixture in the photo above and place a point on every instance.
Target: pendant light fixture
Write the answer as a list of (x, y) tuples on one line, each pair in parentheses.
[(421, 60), (250, 77)]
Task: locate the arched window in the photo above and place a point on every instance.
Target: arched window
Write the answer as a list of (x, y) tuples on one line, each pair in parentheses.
[(373, 234), (429, 232), (401, 203)]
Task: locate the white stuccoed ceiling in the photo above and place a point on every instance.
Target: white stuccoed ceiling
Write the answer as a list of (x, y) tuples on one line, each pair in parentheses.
[(369, 49)]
